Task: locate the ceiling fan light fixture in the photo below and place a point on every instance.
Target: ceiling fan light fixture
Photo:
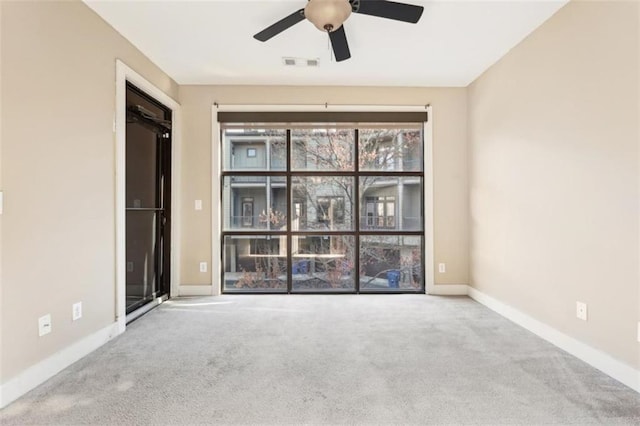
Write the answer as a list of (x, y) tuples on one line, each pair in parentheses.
[(327, 15)]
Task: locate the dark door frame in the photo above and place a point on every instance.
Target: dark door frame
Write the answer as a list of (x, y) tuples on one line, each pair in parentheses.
[(125, 74), (163, 193)]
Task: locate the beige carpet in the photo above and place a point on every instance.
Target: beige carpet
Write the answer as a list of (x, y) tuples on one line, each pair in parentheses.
[(380, 359)]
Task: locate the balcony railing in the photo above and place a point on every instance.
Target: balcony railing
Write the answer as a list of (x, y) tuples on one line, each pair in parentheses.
[(412, 223), (258, 179), (248, 179), (246, 222), (256, 222), (383, 223), (378, 222), (387, 223)]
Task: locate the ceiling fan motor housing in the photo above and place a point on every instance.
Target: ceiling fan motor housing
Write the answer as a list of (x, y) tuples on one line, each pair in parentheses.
[(328, 15)]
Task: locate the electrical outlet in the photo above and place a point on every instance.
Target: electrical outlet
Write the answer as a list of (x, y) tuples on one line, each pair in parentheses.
[(44, 325), (203, 266), (129, 266), (198, 204), (581, 311), (76, 311), (442, 268)]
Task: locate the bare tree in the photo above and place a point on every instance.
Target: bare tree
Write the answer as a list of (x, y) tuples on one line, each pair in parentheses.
[(379, 149)]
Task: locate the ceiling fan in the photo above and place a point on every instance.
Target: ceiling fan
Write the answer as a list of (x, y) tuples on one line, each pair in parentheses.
[(329, 16)]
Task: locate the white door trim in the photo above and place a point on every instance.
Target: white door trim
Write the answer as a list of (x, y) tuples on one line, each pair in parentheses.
[(429, 243), (216, 170), (124, 74), (216, 219)]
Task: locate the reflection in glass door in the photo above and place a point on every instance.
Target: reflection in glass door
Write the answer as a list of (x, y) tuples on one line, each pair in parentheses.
[(148, 166)]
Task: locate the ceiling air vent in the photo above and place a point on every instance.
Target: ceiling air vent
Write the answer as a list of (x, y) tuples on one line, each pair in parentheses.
[(300, 62)]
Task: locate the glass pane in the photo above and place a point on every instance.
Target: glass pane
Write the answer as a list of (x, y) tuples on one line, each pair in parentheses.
[(322, 149), (391, 263), (142, 167), (255, 202), (322, 203), (254, 149), (323, 263), (390, 149), (255, 263), (278, 154), (388, 203), (141, 257)]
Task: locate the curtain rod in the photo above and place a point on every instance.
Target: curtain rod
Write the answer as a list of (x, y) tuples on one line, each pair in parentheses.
[(319, 107)]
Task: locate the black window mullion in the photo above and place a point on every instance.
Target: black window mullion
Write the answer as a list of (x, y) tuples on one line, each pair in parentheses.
[(392, 232), (356, 210), (322, 233), (289, 211), (258, 232), (259, 172)]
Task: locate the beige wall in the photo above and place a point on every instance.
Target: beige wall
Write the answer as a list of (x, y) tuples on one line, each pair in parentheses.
[(450, 162), (58, 98), (1, 189), (554, 176)]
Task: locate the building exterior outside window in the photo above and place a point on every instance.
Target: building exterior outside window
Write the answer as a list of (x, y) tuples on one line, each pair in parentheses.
[(326, 209)]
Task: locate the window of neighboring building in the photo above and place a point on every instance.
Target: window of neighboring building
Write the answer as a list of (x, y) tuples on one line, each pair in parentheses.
[(247, 212), (381, 212), (330, 210)]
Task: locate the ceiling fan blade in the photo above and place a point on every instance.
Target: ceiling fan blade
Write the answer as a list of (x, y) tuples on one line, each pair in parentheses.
[(339, 44), (280, 26), (391, 10)]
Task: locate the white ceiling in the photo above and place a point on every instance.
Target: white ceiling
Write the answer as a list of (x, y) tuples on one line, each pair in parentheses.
[(211, 42)]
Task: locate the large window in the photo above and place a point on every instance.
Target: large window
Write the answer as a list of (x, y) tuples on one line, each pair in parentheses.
[(329, 207)]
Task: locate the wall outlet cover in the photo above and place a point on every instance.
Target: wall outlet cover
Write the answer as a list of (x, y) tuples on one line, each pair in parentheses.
[(442, 268), (203, 266), (581, 311), (44, 325), (76, 311)]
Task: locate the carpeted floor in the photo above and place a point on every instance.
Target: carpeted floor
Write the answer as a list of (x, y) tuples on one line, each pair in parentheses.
[(399, 359)]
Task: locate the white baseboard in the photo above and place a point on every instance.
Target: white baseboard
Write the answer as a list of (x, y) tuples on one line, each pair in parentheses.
[(449, 290), (49, 367), (195, 290), (620, 371)]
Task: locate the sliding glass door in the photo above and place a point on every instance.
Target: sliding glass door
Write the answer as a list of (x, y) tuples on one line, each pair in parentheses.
[(323, 207), (148, 199)]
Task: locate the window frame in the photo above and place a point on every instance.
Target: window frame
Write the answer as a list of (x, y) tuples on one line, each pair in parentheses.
[(425, 190)]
